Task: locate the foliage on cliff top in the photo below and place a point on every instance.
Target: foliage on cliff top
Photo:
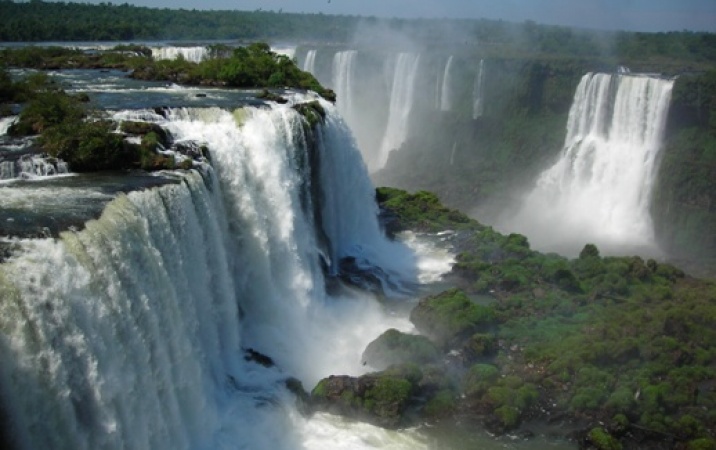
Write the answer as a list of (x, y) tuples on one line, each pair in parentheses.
[(421, 211), (251, 66), (600, 336)]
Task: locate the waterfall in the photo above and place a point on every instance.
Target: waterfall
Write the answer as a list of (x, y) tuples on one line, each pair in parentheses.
[(309, 65), (31, 166), (401, 103), (5, 123), (130, 333), (599, 190), (445, 90), (192, 54), (343, 81), (478, 106)]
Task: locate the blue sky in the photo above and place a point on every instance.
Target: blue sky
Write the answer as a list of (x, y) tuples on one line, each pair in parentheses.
[(633, 15)]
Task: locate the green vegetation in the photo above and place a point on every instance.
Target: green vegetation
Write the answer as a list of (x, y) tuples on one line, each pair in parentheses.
[(38, 20), (421, 211), (71, 132), (451, 316), (605, 340), (684, 205), (251, 66)]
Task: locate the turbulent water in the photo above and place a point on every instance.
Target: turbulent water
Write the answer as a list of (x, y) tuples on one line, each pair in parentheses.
[(599, 190), (401, 102), (131, 333)]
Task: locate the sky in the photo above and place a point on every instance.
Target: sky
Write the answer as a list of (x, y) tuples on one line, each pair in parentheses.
[(631, 15)]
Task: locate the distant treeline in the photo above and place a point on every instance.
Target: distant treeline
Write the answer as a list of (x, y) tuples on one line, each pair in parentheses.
[(36, 21)]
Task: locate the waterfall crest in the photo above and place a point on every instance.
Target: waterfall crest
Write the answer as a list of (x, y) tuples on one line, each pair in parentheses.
[(599, 190), (192, 54)]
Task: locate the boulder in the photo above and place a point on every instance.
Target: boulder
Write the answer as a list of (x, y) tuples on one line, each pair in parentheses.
[(378, 398), (394, 347)]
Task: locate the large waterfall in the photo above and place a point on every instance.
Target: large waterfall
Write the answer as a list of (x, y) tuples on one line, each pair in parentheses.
[(401, 103), (131, 332), (599, 190)]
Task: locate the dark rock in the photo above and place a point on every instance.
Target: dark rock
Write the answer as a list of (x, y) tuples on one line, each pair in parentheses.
[(144, 128), (191, 149), (303, 398), (252, 355), (270, 96)]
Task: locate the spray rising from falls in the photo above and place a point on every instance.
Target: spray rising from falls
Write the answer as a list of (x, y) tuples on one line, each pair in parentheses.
[(130, 333), (401, 103), (599, 190)]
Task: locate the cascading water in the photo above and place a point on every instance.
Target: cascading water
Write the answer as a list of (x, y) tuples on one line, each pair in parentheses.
[(343, 69), (192, 54), (309, 65), (599, 190), (31, 166), (401, 103), (478, 105), (130, 333), (5, 123), (445, 89)]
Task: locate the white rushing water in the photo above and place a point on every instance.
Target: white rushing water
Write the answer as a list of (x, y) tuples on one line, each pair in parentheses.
[(446, 87), (478, 104), (401, 103), (309, 65), (32, 166), (599, 190), (5, 123), (343, 70), (130, 333), (194, 54)]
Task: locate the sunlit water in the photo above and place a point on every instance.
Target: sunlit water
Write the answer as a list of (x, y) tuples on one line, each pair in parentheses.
[(131, 332)]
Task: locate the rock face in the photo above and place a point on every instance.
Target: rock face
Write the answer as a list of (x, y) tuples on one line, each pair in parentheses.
[(394, 347), (450, 317)]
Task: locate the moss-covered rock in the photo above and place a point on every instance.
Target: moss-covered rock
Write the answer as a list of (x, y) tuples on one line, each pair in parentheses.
[(601, 440), (378, 398), (313, 112), (395, 347)]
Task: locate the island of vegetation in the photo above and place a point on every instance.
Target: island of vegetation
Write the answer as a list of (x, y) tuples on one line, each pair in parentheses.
[(68, 129), (618, 349)]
